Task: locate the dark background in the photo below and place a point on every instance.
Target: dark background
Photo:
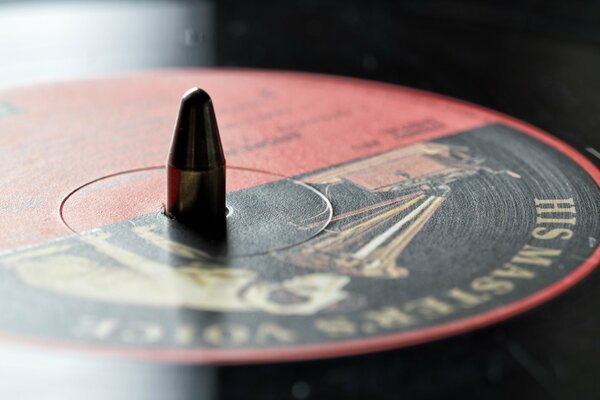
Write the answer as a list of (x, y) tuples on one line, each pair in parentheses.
[(535, 60)]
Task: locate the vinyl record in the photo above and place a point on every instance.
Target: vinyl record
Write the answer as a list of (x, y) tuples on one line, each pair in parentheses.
[(361, 217)]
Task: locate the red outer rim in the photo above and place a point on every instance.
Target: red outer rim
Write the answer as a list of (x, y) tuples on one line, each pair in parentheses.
[(383, 342)]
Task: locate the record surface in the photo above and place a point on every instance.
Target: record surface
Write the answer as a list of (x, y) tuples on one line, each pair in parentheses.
[(362, 217)]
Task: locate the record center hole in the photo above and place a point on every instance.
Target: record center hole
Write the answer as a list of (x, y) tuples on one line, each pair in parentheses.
[(228, 211)]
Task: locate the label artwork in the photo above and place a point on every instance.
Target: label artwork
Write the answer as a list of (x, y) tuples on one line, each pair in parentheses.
[(421, 237)]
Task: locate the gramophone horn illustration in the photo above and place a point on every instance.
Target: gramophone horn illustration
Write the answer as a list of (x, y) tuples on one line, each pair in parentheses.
[(382, 202)]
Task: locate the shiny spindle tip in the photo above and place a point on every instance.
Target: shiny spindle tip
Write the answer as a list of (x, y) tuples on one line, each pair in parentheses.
[(196, 167)]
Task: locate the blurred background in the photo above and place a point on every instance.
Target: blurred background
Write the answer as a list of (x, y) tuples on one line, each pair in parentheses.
[(536, 60)]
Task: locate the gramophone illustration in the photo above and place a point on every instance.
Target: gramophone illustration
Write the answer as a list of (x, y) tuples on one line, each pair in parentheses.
[(380, 205)]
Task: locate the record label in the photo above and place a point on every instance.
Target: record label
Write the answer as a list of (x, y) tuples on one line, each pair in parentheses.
[(362, 217)]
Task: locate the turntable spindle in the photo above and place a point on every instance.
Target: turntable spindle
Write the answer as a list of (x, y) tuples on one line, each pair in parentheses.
[(196, 167)]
